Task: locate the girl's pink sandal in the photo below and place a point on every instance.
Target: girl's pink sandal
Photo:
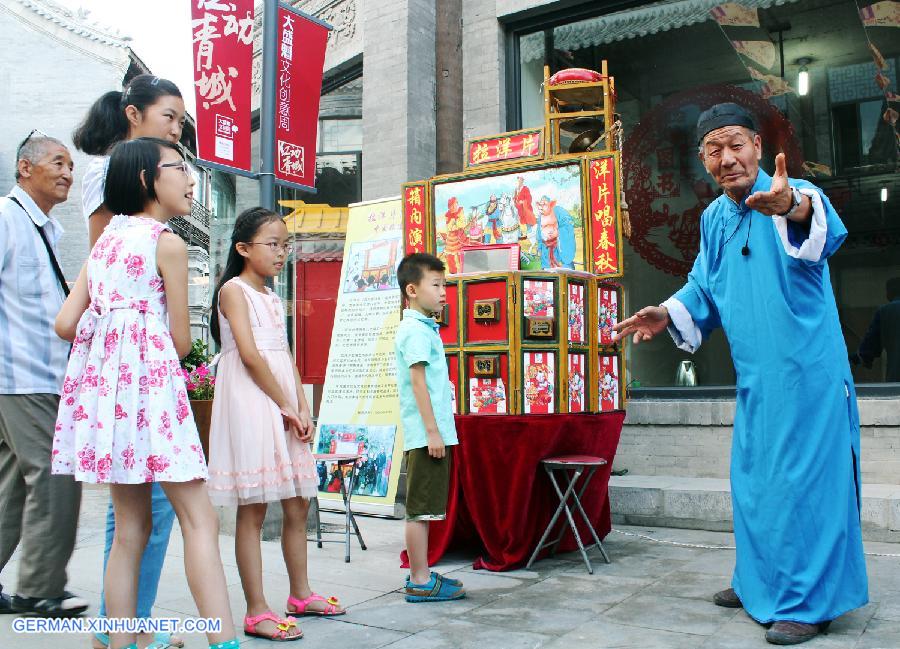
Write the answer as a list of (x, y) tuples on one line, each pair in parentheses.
[(281, 635), (331, 606)]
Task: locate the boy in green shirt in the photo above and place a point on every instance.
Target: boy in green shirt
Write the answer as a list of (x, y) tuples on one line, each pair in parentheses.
[(426, 412)]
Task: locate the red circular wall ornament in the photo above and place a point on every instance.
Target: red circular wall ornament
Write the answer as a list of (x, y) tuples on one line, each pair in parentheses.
[(665, 184)]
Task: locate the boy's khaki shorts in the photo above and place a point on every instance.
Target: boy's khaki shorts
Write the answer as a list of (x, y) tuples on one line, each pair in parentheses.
[(427, 485)]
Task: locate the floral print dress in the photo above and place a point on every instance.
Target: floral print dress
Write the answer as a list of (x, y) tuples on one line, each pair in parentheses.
[(124, 415)]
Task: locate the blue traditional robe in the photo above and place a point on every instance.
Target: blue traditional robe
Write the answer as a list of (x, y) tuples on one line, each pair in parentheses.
[(795, 476)]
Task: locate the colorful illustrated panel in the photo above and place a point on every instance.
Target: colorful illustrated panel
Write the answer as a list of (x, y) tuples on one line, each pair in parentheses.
[(607, 313), (372, 266), (539, 382), (487, 396), (450, 333), (453, 373), (577, 379), (375, 445), (540, 209), (538, 298), (485, 331), (608, 382), (414, 217), (577, 331)]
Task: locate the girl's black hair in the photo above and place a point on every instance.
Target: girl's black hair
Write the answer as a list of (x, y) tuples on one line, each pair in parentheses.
[(246, 226), (105, 124), (133, 169)]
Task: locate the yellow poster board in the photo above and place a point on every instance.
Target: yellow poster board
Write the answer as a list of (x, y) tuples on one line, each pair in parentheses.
[(360, 410)]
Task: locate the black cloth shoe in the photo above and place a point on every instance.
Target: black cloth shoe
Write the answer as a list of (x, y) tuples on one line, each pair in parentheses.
[(5, 602), (727, 598), (784, 633), (66, 606)]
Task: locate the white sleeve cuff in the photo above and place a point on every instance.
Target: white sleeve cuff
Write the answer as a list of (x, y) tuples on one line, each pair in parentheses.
[(811, 249), (683, 330)]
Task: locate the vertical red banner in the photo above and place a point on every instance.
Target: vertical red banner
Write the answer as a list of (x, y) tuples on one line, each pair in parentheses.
[(223, 58), (298, 85), (414, 217), (606, 251)]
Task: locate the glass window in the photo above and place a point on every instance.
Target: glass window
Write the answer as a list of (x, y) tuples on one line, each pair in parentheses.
[(838, 135), (340, 134)]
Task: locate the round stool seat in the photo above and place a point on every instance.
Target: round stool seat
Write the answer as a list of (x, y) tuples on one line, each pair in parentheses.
[(568, 460)]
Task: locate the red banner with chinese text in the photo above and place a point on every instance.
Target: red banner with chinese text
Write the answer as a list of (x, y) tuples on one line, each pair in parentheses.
[(223, 57), (414, 218), (298, 85), (505, 147), (606, 245)]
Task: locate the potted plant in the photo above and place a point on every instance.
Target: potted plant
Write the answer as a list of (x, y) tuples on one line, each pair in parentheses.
[(200, 383)]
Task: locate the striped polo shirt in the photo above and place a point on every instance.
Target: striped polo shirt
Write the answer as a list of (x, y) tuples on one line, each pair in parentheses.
[(32, 356)]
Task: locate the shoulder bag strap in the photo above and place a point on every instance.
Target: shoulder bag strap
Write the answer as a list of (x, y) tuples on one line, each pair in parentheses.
[(53, 261)]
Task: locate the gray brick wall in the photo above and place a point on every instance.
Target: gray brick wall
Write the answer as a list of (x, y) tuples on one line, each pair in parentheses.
[(693, 439), (49, 84), (484, 77), (398, 94)]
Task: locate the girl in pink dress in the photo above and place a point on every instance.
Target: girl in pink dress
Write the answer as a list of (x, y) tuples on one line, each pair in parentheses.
[(124, 417), (261, 427)]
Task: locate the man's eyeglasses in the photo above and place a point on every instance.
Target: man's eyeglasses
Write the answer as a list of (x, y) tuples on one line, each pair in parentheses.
[(275, 247), (183, 165), (34, 131)]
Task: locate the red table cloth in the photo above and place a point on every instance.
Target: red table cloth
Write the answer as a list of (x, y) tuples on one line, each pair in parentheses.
[(500, 498)]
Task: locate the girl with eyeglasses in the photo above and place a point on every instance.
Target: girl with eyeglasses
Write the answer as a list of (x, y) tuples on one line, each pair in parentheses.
[(260, 430), (148, 107), (124, 417)]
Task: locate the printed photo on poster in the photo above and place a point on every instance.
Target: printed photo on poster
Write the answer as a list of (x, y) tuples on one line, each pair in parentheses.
[(576, 382), (608, 382), (375, 445), (540, 382), (487, 396), (372, 265), (540, 209), (538, 298), (576, 313), (607, 313)]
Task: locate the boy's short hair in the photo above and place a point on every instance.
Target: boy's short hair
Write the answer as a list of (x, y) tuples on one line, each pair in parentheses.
[(413, 267)]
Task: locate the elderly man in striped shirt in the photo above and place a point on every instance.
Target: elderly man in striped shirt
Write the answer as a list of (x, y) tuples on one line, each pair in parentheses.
[(37, 509)]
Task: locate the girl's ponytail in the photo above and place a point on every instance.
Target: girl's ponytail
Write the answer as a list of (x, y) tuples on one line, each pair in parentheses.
[(104, 125), (246, 226)]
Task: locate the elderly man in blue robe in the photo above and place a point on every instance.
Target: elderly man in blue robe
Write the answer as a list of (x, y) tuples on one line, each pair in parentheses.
[(555, 235), (795, 477)]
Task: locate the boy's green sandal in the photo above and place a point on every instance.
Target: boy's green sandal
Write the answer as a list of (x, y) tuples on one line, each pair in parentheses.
[(230, 644), (437, 589), (449, 580)]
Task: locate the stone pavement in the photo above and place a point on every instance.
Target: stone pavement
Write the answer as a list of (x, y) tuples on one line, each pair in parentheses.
[(651, 596)]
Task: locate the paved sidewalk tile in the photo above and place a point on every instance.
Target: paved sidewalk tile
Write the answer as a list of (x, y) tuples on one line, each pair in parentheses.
[(652, 596)]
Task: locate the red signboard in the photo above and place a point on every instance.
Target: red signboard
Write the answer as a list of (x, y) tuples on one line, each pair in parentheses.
[(605, 244), (506, 147), (414, 217), (223, 58), (298, 85)]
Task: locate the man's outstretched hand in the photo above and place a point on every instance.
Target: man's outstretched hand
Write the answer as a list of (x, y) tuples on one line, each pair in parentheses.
[(778, 199), (644, 324)]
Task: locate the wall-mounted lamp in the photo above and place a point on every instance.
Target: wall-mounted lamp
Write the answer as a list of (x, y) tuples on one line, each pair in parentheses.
[(803, 77), (884, 194)]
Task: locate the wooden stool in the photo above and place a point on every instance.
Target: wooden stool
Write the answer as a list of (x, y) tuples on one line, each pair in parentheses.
[(577, 464), (342, 460)]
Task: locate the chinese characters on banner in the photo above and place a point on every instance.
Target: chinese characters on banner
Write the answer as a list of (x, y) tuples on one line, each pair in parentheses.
[(223, 58), (298, 85), (414, 217), (504, 148), (605, 245)]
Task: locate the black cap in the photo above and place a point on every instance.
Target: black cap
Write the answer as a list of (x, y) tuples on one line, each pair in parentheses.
[(720, 115)]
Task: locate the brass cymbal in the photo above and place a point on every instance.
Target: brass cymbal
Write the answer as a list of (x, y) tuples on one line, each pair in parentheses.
[(585, 140)]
